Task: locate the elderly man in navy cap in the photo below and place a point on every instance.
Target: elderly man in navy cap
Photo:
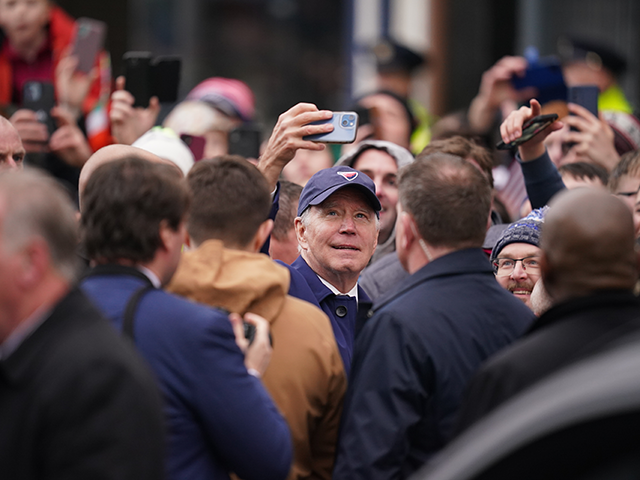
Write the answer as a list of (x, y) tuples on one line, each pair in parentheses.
[(337, 229)]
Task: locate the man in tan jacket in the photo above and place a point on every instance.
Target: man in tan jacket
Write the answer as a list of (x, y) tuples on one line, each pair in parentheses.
[(227, 226)]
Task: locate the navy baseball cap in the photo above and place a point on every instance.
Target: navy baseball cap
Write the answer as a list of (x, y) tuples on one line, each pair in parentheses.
[(330, 180)]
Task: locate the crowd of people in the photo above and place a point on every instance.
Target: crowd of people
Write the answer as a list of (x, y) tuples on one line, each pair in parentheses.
[(187, 313)]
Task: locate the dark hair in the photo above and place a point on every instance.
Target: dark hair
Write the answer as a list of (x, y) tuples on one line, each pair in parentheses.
[(629, 164), (231, 199), (464, 148), (288, 207), (449, 198), (411, 119), (585, 170), (125, 202)]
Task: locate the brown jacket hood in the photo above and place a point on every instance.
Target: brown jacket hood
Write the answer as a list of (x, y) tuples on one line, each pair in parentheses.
[(235, 280)]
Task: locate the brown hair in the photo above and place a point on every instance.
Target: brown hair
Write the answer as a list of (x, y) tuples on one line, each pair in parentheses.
[(449, 198), (629, 164), (464, 148), (231, 199), (124, 203)]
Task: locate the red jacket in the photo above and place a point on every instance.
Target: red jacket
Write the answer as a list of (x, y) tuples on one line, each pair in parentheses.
[(62, 31)]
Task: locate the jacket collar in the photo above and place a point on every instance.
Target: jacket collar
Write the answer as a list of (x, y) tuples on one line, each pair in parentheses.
[(117, 270), (319, 289), (606, 299), (468, 260)]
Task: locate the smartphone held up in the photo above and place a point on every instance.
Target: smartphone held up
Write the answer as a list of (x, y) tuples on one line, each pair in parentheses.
[(530, 129), (345, 127), (148, 76)]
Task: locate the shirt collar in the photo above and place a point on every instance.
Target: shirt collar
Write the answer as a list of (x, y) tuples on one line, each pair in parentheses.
[(351, 293), (153, 278)]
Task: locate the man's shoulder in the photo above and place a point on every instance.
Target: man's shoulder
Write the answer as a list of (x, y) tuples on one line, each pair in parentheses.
[(157, 309), (76, 338)]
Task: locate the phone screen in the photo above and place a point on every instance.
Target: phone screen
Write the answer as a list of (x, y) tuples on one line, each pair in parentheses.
[(196, 144)]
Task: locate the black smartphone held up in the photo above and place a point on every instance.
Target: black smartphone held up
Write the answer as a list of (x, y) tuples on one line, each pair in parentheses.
[(90, 35), (530, 129), (137, 71), (165, 77), (245, 141), (586, 96), (147, 76), (40, 97), (345, 127)]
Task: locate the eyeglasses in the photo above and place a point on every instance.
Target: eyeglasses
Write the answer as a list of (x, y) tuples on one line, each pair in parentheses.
[(505, 266)]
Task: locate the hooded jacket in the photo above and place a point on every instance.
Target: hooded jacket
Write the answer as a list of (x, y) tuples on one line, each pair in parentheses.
[(402, 157), (305, 377)]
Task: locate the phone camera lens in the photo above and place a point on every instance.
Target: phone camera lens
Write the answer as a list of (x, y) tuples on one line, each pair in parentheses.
[(345, 122)]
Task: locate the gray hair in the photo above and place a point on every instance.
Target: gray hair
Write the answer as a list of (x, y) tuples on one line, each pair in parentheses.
[(37, 206)]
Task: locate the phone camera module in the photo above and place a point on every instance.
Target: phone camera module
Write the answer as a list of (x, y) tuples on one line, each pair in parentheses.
[(348, 121)]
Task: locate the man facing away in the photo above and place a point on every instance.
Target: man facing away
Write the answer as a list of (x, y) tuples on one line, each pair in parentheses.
[(220, 418), (589, 269), (305, 376), (76, 400), (414, 356)]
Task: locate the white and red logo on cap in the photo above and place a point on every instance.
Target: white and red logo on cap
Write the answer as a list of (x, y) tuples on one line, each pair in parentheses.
[(348, 175)]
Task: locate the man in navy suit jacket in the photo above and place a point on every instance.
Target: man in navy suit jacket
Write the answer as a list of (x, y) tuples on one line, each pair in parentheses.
[(219, 417)]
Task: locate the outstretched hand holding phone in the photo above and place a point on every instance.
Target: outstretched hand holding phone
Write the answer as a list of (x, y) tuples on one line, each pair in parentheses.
[(128, 123), (512, 128), (592, 139)]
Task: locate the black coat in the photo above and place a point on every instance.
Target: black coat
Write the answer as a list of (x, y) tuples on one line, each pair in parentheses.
[(568, 332), (76, 402), (413, 359)]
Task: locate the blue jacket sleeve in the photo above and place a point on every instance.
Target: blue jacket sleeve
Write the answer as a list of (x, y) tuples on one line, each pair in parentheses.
[(242, 422), (541, 179), (275, 206), (385, 399)]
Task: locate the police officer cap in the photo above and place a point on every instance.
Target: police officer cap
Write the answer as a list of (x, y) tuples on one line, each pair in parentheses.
[(391, 56), (595, 54)]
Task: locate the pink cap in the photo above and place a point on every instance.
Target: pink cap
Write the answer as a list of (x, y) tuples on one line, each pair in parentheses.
[(231, 96)]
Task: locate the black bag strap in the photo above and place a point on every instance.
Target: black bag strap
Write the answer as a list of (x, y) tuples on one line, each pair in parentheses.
[(130, 310)]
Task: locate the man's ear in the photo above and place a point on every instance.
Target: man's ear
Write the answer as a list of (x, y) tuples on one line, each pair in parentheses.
[(546, 272), (301, 233), (35, 259), (407, 224), (264, 230), (168, 236)]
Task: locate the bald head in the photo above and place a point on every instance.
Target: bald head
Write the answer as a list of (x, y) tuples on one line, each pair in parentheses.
[(111, 153), (11, 150), (588, 244)]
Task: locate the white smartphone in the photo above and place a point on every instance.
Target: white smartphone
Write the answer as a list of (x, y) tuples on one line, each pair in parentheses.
[(345, 126)]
